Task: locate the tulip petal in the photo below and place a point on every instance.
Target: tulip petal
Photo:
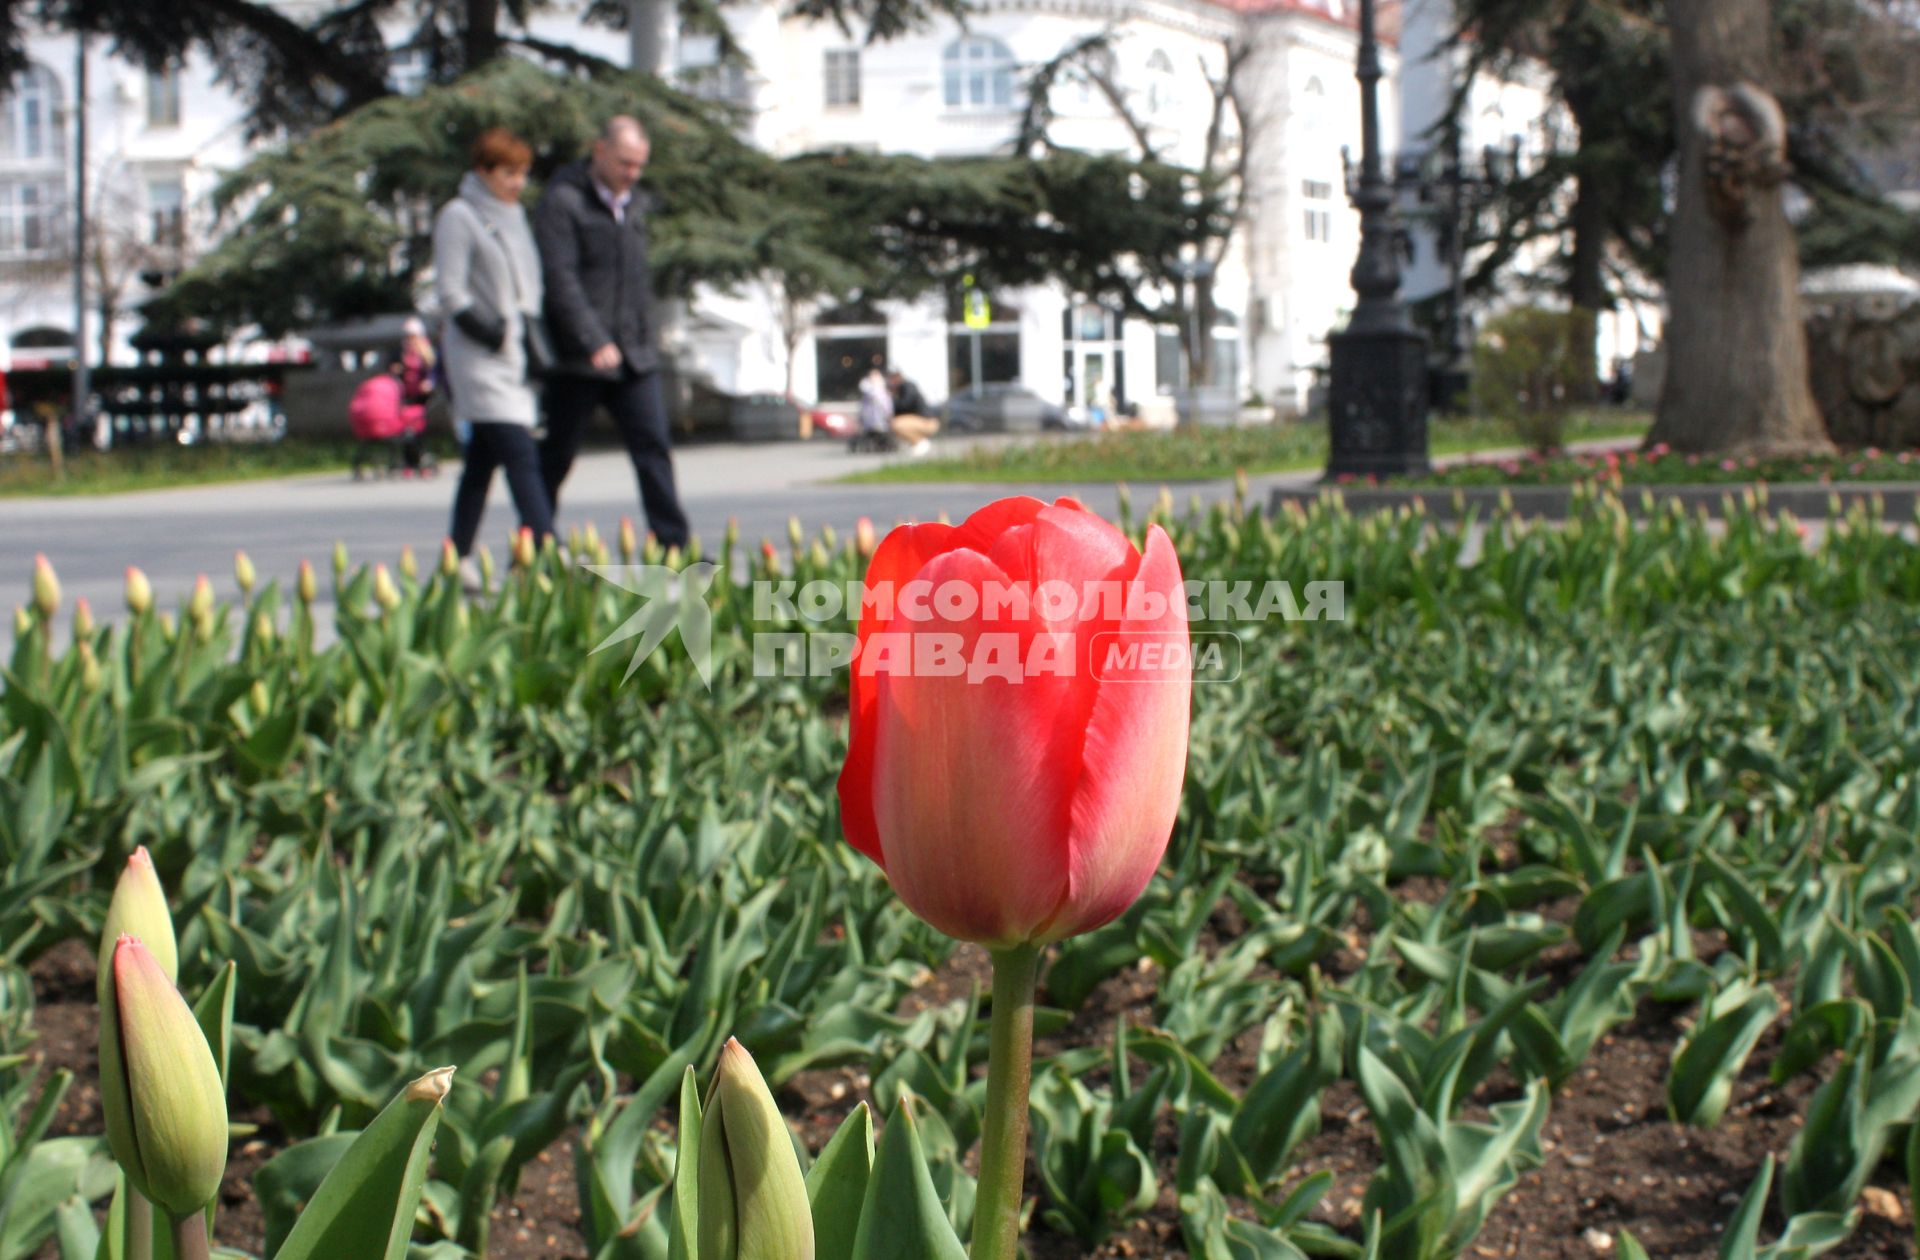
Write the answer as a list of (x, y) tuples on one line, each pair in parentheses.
[(178, 1107), (972, 776), (1133, 761)]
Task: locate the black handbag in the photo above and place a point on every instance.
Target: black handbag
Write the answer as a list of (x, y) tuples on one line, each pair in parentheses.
[(541, 359)]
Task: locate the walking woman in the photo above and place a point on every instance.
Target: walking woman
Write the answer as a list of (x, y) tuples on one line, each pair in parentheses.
[(488, 277)]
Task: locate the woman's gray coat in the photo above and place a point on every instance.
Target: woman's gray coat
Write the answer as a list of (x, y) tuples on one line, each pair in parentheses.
[(484, 258)]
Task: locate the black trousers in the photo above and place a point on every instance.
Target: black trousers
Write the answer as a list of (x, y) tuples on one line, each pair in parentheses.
[(496, 445), (639, 410)]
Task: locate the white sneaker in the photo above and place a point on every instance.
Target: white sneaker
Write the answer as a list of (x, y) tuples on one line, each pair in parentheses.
[(921, 447), (470, 580)]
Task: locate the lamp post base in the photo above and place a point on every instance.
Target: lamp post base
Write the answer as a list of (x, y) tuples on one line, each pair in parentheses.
[(1377, 398)]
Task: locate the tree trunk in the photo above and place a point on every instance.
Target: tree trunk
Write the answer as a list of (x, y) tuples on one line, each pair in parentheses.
[(1736, 350), (647, 33), (481, 38)]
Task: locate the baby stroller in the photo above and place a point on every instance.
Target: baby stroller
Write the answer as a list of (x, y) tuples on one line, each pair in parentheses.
[(387, 430)]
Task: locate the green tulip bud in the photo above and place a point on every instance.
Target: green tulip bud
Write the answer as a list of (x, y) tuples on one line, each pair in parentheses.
[(449, 559), (339, 560), (22, 623), (262, 629), (409, 566), (139, 592), (138, 908), (795, 533), (385, 593), (167, 627), (258, 699), (485, 557), (160, 1089), (200, 603), (306, 586), (243, 572), (90, 676), (753, 1200), (82, 620), (46, 587)]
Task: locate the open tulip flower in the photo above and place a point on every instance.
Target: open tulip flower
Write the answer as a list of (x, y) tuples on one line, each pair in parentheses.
[(1025, 804), (1019, 738)]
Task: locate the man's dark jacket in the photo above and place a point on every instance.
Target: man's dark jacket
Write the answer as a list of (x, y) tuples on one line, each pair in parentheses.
[(599, 287)]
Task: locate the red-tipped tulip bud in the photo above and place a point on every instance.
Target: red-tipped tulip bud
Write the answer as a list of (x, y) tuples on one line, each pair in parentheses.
[(385, 593), (46, 588), (83, 625), (1053, 756), (200, 602), (307, 586), (409, 566), (139, 592), (768, 554), (629, 540), (449, 559), (165, 1106), (864, 537), (753, 1200), (523, 548), (138, 908), (243, 572)]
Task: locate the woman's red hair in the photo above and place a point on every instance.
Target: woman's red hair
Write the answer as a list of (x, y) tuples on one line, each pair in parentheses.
[(497, 147)]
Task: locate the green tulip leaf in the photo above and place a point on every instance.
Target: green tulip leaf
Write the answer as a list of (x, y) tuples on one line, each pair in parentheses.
[(366, 1205), (902, 1217), (837, 1184)]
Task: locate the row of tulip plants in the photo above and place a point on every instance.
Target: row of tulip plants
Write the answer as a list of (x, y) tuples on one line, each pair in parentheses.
[(460, 836)]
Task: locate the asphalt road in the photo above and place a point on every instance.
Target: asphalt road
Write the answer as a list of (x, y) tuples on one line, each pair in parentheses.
[(174, 535)]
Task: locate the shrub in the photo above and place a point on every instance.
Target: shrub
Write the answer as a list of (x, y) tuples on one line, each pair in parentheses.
[(1532, 366)]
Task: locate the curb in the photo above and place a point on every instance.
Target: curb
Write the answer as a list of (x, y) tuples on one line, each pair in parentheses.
[(1811, 500)]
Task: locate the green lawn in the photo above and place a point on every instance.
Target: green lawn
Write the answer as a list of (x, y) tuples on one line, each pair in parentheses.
[(1202, 454), (161, 467), (1659, 467)]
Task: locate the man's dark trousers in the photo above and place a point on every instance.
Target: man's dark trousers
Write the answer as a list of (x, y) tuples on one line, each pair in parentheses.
[(639, 410)]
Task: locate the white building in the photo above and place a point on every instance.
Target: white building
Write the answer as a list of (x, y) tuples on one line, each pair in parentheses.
[(159, 142)]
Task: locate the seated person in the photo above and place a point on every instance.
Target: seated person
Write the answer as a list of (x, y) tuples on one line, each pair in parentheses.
[(911, 422)]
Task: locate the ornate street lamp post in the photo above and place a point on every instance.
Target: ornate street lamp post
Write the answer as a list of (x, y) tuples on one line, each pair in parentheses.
[(1378, 392)]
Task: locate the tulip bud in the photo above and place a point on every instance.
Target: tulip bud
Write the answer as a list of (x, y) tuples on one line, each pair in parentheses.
[(46, 587), (795, 534), (449, 559), (200, 608), (90, 675), (590, 539), (258, 699), (768, 554), (167, 627), (671, 558), (160, 1090), (864, 540), (753, 1200), (339, 560), (576, 541), (629, 541), (243, 572), (731, 538), (82, 620), (22, 623), (523, 548), (409, 567), (306, 585), (385, 593), (828, 537), (485, 557), (650, 549), (139, 592), (138, 908), (262, 629)]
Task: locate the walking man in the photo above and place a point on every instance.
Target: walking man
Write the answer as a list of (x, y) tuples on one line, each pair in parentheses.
[(591, 226)]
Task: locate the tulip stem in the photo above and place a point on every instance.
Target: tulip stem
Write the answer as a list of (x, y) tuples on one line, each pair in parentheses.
[(189, 1236), (1003, 1148), (139, 1225)]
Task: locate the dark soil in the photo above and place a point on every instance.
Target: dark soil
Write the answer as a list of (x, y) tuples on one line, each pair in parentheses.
[(1613, 1159)]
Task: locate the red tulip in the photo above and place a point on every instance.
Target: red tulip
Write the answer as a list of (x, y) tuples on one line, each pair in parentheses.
[(1016, 810)]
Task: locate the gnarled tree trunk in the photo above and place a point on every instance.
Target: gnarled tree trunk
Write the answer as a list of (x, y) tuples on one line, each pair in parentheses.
[(1736, 350)]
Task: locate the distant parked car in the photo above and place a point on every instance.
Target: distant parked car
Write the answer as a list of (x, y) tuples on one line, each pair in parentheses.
[(1008, 407)]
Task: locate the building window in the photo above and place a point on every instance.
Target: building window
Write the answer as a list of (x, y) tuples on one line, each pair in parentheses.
[(29, 129), (409, 70), (843, 78), (167, 208), (163, 97), (840, 360), (28, 218), (724, 84), (978, 74), (1162, 94), (1319, 216)]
